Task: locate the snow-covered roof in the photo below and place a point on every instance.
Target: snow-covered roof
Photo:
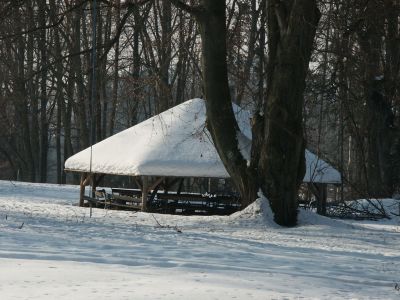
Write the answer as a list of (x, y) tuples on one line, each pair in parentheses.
[(176, 143)]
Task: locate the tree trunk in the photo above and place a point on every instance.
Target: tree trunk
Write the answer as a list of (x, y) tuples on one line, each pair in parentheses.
[(44, 126), (379, 116), (251, 45), (281, 163), (32, 95), (292, 27), (137, 94), (221, 121), (116, 69), (22, 108), (165, 55), (80, 107), (59, 69), (392, 73)]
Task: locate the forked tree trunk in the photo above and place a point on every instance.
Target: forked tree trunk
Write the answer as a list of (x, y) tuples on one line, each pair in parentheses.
[(280, 166)]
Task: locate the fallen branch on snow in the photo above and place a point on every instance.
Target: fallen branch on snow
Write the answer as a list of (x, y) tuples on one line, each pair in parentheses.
[(166, 226)]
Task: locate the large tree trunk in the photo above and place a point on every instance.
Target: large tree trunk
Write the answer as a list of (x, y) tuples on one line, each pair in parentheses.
[(392, 73), (379, 117), (280, 166), (292, 26), (164, 88)]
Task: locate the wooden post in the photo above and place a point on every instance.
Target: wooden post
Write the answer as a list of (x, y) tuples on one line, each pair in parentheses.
[(324, 196), (82, 189), (180, 186), (320, 192), (145, 185), (321, 198), (94, 185), (85, 179)]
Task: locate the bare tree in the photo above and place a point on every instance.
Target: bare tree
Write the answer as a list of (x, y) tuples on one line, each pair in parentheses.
[(277, 162)]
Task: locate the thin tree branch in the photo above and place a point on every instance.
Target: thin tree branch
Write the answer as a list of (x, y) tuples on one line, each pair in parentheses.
[(118, 33), (132, 5), (195, 11), (55, 24)]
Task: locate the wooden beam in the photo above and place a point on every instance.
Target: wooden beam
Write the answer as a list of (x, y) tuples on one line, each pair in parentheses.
[(156, 183), (137, 182)]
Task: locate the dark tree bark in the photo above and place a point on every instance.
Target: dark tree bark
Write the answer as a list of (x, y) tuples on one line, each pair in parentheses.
[(136, 97), (378, 92), (391, 86), (59, 70), (251, 44), (22, 111), (221, 120), (80, 107), (114, 102), (164, 88), (292, 26), (279, 168), (183, 49), (44, 124), (32, 94)]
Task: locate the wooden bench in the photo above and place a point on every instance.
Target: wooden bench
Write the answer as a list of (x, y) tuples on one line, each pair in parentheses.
[(103, 199), (159, 201)]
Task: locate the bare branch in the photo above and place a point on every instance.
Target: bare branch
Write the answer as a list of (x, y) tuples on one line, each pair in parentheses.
[(136, 3), (55, 24), (118, 32), (193, 10)]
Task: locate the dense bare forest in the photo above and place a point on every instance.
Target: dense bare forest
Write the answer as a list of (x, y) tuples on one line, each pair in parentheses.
[(150, 56)]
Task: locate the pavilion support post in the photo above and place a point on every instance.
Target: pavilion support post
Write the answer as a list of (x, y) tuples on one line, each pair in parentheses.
[(82, 189), (166, 185), (94, 185), (320, 192), (85, 180), (181, 181), (321, 204), (145, 187)]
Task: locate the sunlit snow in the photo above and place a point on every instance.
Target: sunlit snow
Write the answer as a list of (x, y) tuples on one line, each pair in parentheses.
[(52, 249)]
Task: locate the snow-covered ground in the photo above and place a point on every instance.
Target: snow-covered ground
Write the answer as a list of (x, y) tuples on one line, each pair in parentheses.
[(52, 249)]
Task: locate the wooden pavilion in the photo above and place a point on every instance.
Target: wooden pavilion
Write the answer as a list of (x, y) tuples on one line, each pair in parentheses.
[(174, 144)]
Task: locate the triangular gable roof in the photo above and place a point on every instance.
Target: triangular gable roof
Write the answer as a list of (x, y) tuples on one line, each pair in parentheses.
[(175, 143)]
